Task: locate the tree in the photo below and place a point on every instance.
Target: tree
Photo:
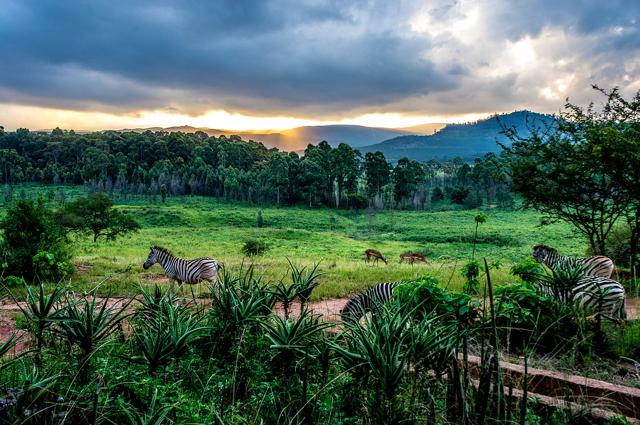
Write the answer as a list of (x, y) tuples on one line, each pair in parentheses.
[(437, 194), (31, 233), (377, 172), (345, 162), (96, 215), (406, 176), (583, 168)]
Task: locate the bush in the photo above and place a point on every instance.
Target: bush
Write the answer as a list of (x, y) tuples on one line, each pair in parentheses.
[(356, 201), (618, 246), (30, 228), (259, 219), (437, 195), (49, 268), (472, 200), (425, 295), (458, 195), (528, 270), (254, 247)]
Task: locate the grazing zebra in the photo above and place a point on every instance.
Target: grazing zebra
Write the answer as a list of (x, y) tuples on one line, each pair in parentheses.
[(598, 265), (602, 295), (181, 270), (370, 299)]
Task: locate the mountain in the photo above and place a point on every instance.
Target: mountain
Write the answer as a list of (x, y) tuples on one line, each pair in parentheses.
[(464, 140), (297, 139), (424, 129)]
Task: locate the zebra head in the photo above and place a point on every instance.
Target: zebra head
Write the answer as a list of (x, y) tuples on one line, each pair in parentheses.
[(542, 252), (151, 259)]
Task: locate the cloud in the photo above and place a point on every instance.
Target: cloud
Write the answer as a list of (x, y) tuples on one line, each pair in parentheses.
[(314, 58)]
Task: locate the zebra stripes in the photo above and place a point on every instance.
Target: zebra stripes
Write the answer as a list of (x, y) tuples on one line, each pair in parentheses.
[(601, 295), (598, 265), (370, 299), (181, 270)]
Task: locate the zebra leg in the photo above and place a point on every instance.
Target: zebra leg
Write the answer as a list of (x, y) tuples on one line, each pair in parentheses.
[(181, 288)]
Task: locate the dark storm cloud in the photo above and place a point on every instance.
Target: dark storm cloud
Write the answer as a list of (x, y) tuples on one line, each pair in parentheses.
[(275, 56), (291, 53)]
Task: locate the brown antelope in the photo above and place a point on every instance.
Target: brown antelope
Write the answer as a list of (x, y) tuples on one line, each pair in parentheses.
[(412, 257), (376, 255)]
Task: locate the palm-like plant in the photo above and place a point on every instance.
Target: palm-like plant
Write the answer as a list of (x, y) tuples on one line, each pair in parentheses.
[(382, 347), (41, 311), (89, 323), (304, 283), (286, 294), (155, 415), (165, 331)]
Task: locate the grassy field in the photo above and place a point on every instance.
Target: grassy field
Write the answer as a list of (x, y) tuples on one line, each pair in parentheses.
[(198, 226)]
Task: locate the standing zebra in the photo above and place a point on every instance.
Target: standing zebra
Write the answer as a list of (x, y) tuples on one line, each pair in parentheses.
[(602, 295), (370, 299), (181, 270), (598, 265)]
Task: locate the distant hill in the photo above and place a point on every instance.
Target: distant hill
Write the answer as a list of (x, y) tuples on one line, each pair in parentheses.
[(464, 140), (298, 138)]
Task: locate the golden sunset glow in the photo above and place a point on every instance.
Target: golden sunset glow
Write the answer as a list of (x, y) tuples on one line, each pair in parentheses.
[(38, 118)]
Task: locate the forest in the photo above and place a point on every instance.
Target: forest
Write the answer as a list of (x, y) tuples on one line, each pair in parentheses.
[(162, 163)]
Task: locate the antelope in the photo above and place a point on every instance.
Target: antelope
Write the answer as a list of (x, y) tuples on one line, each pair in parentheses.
[(376, 255), (412, 257)]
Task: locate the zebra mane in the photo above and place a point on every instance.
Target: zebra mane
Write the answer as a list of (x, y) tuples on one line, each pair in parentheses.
[(162, 249), (545, 247)]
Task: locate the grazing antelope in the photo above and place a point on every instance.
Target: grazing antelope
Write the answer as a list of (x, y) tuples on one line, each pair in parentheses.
[(412, 257), (376, 255)]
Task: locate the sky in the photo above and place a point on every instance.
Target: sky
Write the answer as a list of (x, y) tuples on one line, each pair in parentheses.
[(276, 64)]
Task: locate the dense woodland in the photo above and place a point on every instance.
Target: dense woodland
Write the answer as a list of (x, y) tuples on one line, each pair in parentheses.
[(158, 163)]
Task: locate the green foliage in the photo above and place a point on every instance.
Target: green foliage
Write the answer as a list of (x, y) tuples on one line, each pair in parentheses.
[(163, 192), (529, 270), (425, 295), (96, 215), (458, 195), (619, 245), (437, 194), (355, 201), (49, 268), (471, 272), (254, 247), (259, 219), (31, 232)]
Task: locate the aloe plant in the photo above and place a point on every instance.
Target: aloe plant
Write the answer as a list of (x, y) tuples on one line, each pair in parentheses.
[(89, 323), (41, 311)]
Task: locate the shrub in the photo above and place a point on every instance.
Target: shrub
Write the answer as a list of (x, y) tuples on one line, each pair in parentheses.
[(458, 195), (253, 247), (428, 298), (259, 219), (49, 268), (356, 201), (30, 229), (472, 200), (437, 195), (618, 246), (528, 270)]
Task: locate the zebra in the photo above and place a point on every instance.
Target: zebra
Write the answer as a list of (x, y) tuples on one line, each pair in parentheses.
[(598, 265), (369, 300), (181, 270), (602, 295)]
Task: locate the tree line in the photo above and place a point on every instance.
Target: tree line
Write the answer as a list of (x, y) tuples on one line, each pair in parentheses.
[(161, 163)]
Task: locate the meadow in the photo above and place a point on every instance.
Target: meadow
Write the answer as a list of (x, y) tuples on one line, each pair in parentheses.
[(192, 226)]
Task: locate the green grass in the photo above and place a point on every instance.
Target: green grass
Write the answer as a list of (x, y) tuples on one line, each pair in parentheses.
[(199, 226)]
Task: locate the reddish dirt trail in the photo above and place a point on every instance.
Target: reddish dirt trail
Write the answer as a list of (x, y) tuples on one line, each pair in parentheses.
[(329, 308)]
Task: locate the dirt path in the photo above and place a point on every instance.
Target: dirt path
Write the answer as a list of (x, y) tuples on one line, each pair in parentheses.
[(330, 308)]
